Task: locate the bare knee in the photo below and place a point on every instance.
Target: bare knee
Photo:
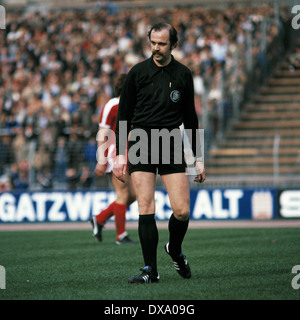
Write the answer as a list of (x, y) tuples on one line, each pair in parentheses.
[(181, 215), (146, 206)]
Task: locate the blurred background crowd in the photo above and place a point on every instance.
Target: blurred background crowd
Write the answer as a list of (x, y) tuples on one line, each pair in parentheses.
[(57, 70)]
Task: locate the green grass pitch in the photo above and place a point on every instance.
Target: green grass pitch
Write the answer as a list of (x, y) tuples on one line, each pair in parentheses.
[(235, 264)]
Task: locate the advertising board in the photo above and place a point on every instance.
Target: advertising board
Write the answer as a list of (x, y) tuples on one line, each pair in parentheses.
[(80, 205)]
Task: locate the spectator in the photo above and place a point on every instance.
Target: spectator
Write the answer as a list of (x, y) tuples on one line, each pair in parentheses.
[(72, 177), (6, 153), (219, 48), (20, 146), (20, 176), (86, 177), (75, 151), (61, 161), (42, 160), (294, 59), (45, 178), (85, 115), (90, 152)]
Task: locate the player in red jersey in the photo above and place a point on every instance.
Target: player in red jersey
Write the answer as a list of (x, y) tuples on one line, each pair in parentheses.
[(125, 194)]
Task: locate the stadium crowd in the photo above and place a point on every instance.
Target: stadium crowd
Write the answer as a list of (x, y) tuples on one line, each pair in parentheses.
[(57, 70)]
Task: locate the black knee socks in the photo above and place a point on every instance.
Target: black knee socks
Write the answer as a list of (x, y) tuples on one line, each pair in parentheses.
[(177, 231), (148, 235)]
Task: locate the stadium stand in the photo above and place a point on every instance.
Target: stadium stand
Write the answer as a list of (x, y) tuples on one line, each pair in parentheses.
[(58, 62), (273, 114)]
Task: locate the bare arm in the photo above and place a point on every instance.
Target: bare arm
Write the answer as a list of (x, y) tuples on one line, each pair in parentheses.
[(103, 136)]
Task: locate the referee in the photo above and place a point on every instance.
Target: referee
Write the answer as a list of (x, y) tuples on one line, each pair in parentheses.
[(158, 94)]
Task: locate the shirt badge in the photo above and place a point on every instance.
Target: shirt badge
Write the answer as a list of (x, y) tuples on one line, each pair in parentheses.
[(175, 95)]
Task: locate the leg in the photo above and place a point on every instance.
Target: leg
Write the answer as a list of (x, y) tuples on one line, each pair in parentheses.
[(144, 185), (177, 186), (178, 189), (124, 197), (100, 219), (124, 191)]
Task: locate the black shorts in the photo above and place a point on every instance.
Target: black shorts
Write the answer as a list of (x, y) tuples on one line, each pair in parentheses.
[(156, 150)]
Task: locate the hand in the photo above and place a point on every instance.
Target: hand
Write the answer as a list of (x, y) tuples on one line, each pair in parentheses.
[(100, 170), (200, 170), (120, 167)]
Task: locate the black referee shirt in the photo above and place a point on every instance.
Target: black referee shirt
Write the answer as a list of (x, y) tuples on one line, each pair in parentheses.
[(158, 97)]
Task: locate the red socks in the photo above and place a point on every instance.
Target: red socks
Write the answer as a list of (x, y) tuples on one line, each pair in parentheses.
[(119, 211), (120, 218), (105, 214)]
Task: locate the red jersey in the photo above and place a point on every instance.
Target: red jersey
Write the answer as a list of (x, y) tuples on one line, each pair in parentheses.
[(108, 119), (108, 115)]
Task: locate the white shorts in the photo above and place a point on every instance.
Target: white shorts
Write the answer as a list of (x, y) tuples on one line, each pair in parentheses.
[(111, 156)]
